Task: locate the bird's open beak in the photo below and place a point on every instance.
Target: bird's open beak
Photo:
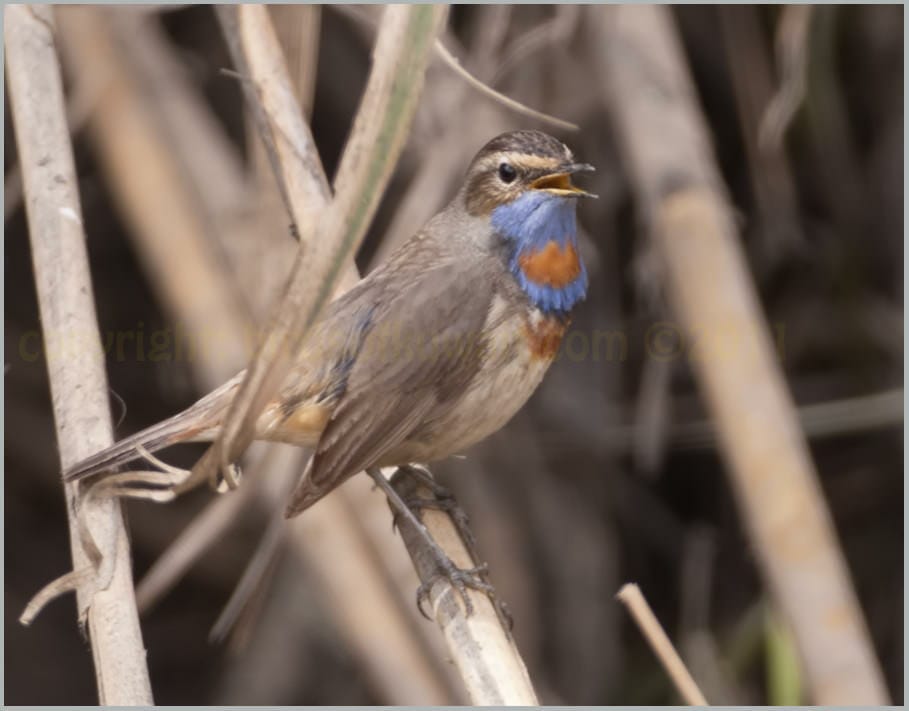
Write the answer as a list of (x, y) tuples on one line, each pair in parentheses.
[(559, 183)]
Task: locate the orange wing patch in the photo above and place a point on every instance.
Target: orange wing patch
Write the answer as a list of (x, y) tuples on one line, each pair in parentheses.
[(295, 421), (545, 336), (553, 265)]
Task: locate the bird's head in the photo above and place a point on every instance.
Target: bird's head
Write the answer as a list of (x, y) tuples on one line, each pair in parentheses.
[(521, 181), (521, 163)]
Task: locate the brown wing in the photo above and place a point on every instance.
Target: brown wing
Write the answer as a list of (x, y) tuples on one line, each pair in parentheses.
[(423, 347)]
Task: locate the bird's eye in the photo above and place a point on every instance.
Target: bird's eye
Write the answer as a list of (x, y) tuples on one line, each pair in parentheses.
[(507, 172)]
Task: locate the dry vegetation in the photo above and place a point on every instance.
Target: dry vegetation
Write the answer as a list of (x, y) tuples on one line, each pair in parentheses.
[(724, 427)]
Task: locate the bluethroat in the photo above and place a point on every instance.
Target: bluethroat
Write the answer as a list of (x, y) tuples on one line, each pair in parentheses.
[(434, 350)]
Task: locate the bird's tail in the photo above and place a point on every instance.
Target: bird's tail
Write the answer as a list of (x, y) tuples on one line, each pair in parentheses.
[(198, 423)]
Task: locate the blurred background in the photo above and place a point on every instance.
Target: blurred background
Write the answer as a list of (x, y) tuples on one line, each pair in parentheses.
[(611, 473)]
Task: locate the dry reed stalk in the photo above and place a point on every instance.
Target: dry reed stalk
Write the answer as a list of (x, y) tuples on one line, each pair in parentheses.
[(480, 645), (351, 569), (296, 32), (667, 148), (696, 641), (363, 506), (157, 200), (298, 28), (433, 684), (820, 420), (202, 533), (410, 660), (78, 107), (258, 57), (488, 91), (368, 20), (466, 125), (100, 549), (793, 31), (631, 596), (770, 171), (259, 251), (200, 143), (548, 34), (352, 510), (214, 172), (357, 511), (377, 137), (372, 614)]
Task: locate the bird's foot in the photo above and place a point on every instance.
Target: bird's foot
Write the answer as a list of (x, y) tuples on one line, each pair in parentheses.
[(441, 499), (161, 485), (461, 579), (155, 485)]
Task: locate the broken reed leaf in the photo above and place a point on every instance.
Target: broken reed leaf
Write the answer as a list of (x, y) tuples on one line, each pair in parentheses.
[(516, 106), (380, 128)]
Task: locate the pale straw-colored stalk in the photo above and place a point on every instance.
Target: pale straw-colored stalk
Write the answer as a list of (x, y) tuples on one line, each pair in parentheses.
[(75, 361), (667, 148)]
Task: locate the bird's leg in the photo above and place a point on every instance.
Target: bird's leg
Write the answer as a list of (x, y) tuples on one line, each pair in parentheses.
[(442, 500), (460, 578), (422, 475)]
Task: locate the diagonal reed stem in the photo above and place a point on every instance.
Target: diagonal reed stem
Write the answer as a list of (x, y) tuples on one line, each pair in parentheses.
[(667, 148), (377, 138)]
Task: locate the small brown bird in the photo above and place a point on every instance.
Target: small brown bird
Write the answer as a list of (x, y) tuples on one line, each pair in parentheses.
[(434, 350)]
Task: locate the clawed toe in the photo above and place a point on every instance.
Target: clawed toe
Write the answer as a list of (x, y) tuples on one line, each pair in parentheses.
[(159, 485), (222, 481), (149, 485), (462, 580), (227, 479)]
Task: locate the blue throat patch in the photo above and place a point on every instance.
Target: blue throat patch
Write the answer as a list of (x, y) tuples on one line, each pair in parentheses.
[(531, 223)]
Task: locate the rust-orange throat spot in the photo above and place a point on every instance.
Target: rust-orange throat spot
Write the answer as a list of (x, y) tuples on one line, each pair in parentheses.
[(553, 265)]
